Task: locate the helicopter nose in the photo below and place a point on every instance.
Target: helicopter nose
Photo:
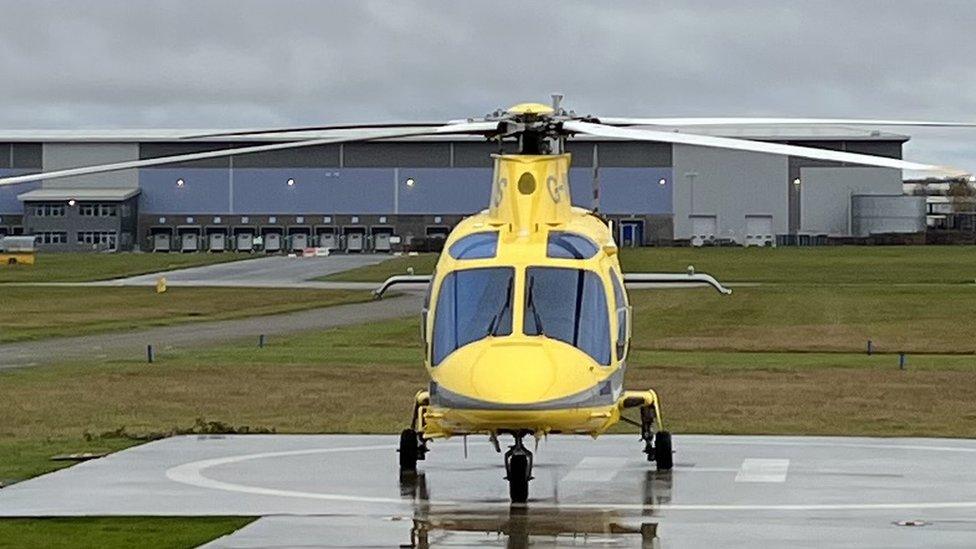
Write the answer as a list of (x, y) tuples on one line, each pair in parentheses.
[(513, 373)]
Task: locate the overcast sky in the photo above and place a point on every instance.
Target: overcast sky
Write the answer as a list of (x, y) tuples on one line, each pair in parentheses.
[(195, 64)]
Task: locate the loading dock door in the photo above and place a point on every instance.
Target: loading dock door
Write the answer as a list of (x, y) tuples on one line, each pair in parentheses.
[(759, 230), (328, 240), (354, 242), (299, 241), (161, 242), (218, 242), (381, 241), (189, 242), (245, 241), (272, 242), (703, 229)]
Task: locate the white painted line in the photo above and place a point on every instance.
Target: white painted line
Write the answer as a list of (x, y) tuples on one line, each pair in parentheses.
[(595, 469), (192, 474), (763, 470)]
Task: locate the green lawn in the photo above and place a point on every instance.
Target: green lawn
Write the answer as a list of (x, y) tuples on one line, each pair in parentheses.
[(98, 532), (808, 317), (33, 312), (86, 267), (792, 265), (317, 382)]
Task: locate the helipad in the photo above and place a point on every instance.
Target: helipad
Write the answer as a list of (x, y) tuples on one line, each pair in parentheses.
[(723, 492)]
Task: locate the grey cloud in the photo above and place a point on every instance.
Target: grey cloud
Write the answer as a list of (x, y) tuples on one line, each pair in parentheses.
[(179, 63)]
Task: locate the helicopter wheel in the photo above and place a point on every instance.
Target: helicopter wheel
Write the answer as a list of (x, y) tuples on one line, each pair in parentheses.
[(518, 479), (518, 465), (409, 450), (662, 451)]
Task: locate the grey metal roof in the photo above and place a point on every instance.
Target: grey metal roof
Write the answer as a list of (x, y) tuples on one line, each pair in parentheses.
[(774, 133), (81, 194)]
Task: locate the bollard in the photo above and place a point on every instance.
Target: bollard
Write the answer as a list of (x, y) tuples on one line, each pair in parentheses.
[(150, 354), (261, 341), (870, 347), (901, 361)]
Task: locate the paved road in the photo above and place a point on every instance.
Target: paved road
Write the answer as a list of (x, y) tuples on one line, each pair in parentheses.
[(133, 344), (345, 491), (275, 271)]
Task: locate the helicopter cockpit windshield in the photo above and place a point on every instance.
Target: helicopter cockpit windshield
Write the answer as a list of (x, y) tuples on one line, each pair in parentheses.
[(561, 303), (568, 305), (472, 304)]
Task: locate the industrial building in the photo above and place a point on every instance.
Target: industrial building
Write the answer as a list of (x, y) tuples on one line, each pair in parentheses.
[(381, 196)]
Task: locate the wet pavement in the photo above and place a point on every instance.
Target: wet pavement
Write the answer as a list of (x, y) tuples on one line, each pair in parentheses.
[(343, 491)]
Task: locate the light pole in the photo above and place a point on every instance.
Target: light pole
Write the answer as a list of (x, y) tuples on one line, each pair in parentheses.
[(691, 191)]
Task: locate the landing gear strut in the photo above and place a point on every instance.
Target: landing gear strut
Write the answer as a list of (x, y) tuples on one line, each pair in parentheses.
[(413, 445), (518, 469), (657, 444)]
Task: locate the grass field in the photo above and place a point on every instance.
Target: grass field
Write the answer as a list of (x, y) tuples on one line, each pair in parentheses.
[(86, 267), (315, 383), (163, 532), (809, 317), (791, 265), (31, 312)]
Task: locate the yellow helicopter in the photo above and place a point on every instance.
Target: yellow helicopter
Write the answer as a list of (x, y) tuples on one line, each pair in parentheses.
[(526, 322)]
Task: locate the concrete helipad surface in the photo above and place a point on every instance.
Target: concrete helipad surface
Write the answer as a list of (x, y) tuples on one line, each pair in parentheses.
[(723, 492)]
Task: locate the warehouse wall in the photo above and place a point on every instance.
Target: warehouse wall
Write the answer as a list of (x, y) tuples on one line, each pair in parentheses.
[(825, 195), (376, 190), (8, 193), (59, 156), (729, 185)]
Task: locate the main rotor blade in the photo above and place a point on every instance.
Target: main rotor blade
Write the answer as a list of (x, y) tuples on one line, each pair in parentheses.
[(271, 131), (752, 121), (753, 146), (450, 129)]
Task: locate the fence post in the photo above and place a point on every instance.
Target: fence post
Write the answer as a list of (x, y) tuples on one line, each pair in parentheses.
[(870, 347), (150, 354), (901, 361), (261, 341)]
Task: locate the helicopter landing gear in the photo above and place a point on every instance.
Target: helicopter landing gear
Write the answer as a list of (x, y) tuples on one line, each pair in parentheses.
[(518, 469), (412, 448), (413, 445), (657, 444)]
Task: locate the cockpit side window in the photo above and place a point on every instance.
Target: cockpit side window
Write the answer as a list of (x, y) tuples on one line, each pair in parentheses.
[(472, 304), (566, 245), (569, 305), (475, 246), (623, 315)]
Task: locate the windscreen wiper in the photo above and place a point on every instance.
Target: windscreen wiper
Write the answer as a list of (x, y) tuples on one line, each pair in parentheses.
[(530, 304), (505, 306)]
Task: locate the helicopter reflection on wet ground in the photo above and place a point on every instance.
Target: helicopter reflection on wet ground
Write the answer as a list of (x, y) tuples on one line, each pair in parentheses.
[(524, 525), (346, 491)]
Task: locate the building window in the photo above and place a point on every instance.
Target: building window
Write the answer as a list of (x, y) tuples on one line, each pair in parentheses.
[(48, 237), (102, 239), (47, 210), (98, 210)]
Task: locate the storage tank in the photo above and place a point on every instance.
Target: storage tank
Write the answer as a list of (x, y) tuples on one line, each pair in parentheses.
[(886, 213)]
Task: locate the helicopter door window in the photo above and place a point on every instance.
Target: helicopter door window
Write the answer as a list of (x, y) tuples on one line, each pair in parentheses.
[(475, 246), (569, 305), (570, 246), (623, 315), (424, 312), (472, 304)]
